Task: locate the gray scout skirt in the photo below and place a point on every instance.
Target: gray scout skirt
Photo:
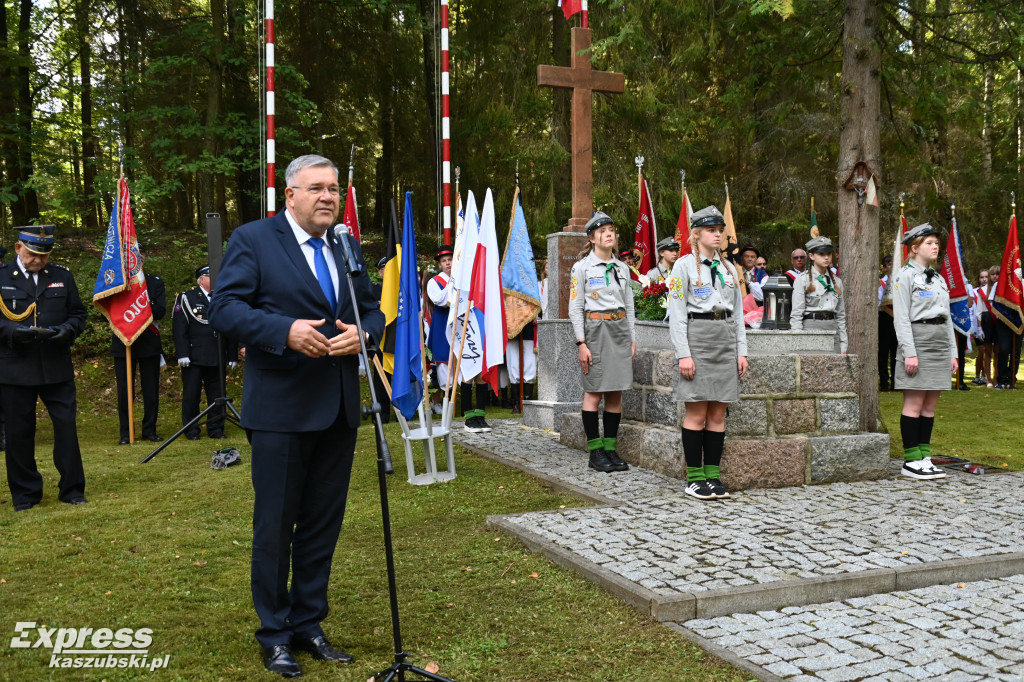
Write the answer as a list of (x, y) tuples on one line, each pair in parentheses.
[(713, 348), (611, 348), (933, 355), (824, 326)]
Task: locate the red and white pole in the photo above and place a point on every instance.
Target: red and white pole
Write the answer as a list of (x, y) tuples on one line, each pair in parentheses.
[(586, 23), (446, 153), (271, 154)]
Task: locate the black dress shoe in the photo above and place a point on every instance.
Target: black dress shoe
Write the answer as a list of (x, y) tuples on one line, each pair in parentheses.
[(963, 387), (153, 439), (281, 661), (124, 441), (76, 500), (192, 436), (218, 436), (24, 506), (321, 649)]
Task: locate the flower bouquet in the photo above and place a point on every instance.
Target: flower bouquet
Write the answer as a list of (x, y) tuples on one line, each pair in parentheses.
[(651, 301)]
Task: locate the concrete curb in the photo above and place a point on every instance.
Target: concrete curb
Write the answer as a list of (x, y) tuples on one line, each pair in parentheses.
[(724, 654)]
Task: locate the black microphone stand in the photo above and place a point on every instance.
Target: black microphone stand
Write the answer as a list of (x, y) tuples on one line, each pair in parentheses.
[(401, 666)]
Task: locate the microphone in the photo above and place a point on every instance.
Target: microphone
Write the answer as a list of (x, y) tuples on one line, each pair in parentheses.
[(341, 234)]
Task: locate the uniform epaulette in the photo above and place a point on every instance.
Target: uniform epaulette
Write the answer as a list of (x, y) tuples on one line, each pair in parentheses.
[(58, 265)]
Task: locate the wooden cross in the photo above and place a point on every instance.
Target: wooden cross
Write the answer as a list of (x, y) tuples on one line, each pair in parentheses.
[(583, 80)]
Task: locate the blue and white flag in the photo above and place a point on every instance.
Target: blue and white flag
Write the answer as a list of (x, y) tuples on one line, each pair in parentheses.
[(407, 381), (519, 274)]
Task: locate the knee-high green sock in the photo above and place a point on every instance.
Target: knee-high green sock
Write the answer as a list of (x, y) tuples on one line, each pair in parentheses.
[(693, 453), (714, 443), (909, 431)]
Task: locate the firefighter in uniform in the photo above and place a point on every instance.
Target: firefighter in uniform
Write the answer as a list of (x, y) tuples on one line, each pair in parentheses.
[(42, 315), (195, 344)]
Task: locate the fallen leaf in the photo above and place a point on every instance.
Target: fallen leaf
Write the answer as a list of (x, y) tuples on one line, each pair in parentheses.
[(467, 568), (2, 581), (432, 668), (962, 499), (134, 550), (513, 581), (961, 585), (497, 539), (535, 574), (199, 563), (108, 592), (501, 487), (78, 538), (904, 552)]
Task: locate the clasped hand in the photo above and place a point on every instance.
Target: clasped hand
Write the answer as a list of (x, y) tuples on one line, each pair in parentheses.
[(303, 337)]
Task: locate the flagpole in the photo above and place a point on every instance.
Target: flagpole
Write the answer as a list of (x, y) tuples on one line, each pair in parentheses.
[(271, 154), (458, 293), (351, 165), (425, 402), (130, 383), (743, 274), (446, 151), (458, 360)]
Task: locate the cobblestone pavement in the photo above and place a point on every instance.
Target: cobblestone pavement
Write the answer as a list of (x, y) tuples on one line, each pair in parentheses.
[(646, 540), (963, 631), (668, 542)]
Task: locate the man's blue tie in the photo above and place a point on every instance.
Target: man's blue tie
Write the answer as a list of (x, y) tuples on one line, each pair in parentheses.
[(322, 273)]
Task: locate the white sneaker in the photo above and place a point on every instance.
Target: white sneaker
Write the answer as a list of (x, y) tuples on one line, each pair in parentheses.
[(939, 473), (435, 408), (920, 470)]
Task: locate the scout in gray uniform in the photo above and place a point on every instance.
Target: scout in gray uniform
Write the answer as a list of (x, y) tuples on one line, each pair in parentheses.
[(668, 254), (926, 357), (818, 302), (711, 344), (601, 312)]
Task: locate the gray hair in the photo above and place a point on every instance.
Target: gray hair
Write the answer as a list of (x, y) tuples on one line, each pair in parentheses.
[(795, 251), (307, 161)]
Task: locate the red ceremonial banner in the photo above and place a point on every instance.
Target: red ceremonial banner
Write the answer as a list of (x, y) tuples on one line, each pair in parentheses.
[(646, 237)]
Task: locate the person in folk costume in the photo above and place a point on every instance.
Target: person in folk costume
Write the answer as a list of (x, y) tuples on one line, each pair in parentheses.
[(818, 302), (601, 312), (982, 330), (439, 288), (706, 326), (756, 277), (798, 259), (668, 254), (927, 350), (630, 258)]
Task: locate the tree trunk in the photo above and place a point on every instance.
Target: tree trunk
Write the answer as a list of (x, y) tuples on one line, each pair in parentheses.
[(385, 166), (858, 223), (244, 101), (207, 200), (25, 207), (986, 128), (8, 146), (89, 150), (431, 26)]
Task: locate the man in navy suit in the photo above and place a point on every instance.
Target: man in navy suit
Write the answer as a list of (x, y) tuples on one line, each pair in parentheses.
[(282, 293)]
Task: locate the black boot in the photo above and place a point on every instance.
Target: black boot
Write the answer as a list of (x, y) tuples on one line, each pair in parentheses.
[(515, 399), (599, 458)]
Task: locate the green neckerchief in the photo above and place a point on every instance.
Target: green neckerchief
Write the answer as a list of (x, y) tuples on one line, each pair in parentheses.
[(714, 269), (827, 283), (608, 267)]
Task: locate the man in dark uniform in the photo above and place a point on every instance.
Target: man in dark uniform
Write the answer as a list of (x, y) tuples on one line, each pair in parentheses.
[(42, 314), (195, 343), (146, 353)]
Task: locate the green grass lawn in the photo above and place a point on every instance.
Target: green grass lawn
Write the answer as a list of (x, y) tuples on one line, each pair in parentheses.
[(166, 546), (982, 425)]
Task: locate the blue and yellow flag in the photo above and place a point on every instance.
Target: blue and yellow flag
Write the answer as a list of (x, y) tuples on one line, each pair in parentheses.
[(519, 274), (407, 380)]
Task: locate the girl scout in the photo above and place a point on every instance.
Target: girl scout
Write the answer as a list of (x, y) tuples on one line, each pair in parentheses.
[(711, 346), (926, 356), (601, 312), (818, 302)]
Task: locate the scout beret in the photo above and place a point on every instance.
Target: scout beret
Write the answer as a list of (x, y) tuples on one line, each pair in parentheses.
[(667, 243), (36, 238), (707, 217), (922, 230), (819, 245), (600, 219)]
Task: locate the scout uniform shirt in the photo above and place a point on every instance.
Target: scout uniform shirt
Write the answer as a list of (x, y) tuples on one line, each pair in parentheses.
[(824, 299), (658, 273), (914, 299), (718, 293), (595, 288)]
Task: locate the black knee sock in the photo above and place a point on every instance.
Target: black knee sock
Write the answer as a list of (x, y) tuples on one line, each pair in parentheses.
[(611, 424), (591, 430), (483, 396), (467, 398), (924, 435), (693, 447), (714, 443), (909, 430)]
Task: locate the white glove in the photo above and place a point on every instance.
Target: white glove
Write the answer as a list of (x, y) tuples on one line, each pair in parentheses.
[(184, 362), (232, 365)]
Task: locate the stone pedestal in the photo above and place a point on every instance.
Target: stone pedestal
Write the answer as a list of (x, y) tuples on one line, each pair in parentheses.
[(558, 376)]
